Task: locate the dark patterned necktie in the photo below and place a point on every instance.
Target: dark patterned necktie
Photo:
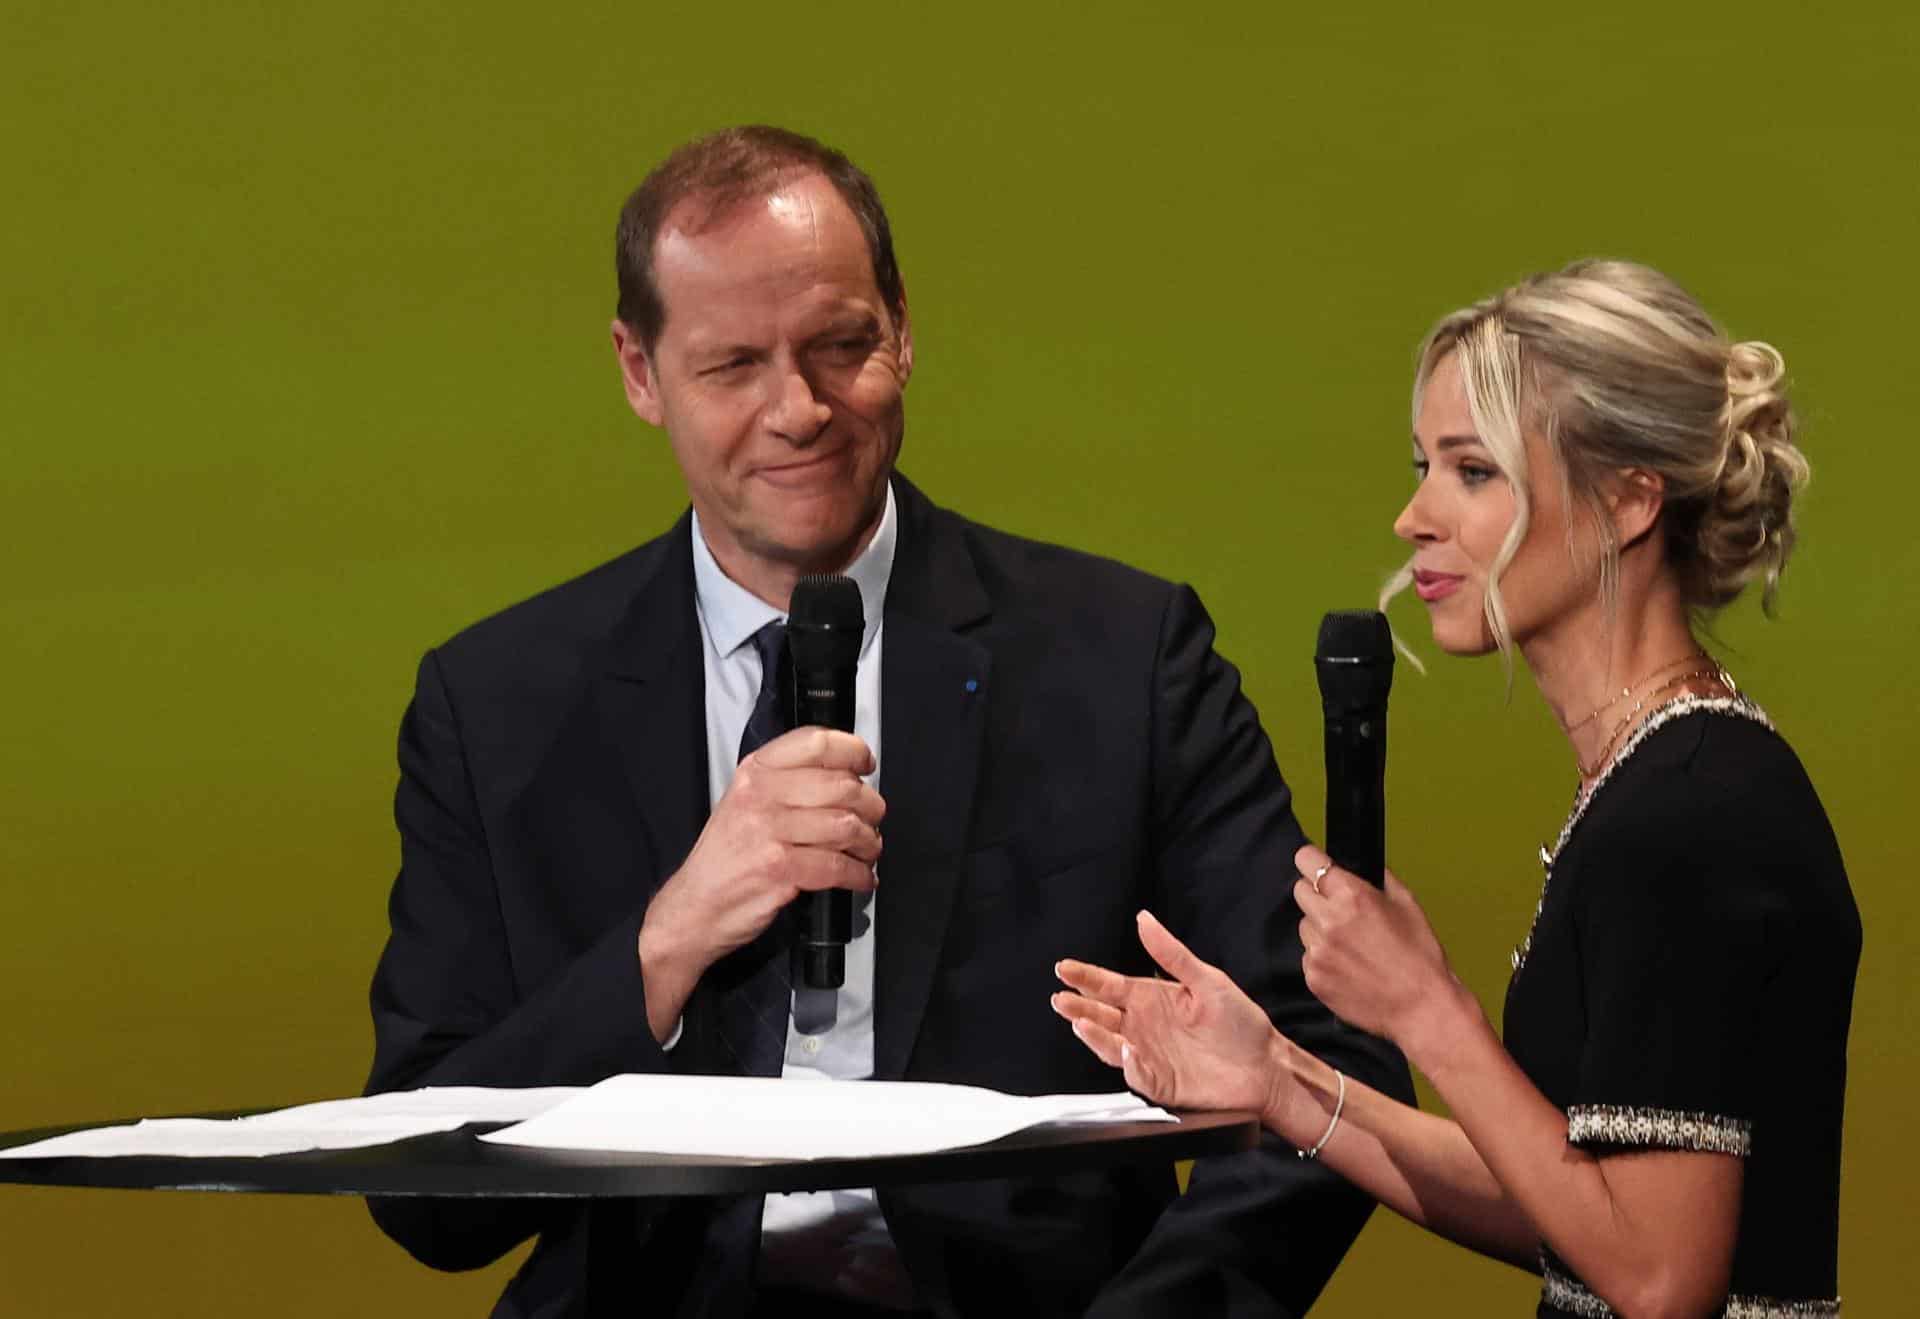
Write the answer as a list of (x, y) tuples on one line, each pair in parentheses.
[(756, 993), (769, 717)]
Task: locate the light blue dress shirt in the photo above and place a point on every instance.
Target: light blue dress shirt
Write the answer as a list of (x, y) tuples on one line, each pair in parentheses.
[(832, 1241)]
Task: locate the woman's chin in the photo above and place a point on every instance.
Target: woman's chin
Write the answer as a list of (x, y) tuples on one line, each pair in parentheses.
[(1462, 645)]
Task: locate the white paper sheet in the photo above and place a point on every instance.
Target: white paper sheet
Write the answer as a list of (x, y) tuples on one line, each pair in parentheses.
[(769, 1118), (331, 1124)]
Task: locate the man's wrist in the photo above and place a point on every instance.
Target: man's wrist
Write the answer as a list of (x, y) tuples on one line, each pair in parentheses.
[(667, 973)]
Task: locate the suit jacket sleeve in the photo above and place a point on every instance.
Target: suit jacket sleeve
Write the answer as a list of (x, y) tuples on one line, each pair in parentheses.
[(1258, 1233), (449, 1007)]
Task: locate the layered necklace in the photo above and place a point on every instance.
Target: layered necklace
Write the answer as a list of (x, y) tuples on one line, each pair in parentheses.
[(1627, 691), (1615, 753), (1703, 668)]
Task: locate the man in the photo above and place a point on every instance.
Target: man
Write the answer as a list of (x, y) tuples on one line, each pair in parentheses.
[(600, 832)]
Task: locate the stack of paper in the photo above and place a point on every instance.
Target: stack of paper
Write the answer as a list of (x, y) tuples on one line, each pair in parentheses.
[(333, 1124), (768, 1118), (712, 1116)]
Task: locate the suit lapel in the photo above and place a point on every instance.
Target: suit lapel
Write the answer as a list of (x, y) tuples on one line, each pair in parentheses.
[(651, 697), (652, 704), (934, 686)]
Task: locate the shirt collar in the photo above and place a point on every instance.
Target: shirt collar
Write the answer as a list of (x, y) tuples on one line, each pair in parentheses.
[(732, 613)]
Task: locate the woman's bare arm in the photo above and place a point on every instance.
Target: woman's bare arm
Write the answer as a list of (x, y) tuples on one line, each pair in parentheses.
[(1197, 1041), (1651, 1233)]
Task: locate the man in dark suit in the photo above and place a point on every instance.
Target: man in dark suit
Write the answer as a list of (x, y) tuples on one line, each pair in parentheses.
[(600, 833)]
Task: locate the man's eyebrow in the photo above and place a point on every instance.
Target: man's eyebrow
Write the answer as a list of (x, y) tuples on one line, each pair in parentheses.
[(719, 348), (851, 319)]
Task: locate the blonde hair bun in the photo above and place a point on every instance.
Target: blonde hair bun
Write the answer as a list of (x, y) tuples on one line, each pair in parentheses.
[(1745, 528)]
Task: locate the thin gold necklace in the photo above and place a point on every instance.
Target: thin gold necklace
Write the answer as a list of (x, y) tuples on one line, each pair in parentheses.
[(1629, 689), (1732, 705), (1714, 671)]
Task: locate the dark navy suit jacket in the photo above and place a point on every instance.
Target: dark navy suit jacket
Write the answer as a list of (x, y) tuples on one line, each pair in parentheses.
[(1062, 747)]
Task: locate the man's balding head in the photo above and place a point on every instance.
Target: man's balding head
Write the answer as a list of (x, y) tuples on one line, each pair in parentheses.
[(710, 176)]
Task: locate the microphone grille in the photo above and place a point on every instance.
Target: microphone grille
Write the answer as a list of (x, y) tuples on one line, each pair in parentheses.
[(1355, 635), (825, 621), (1354, 661), (827, 600)]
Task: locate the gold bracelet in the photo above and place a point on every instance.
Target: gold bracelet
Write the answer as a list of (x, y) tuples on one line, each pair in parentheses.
[(1338, 1104)]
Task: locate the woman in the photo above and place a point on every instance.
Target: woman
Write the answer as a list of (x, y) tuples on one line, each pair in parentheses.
[(1599, 468)]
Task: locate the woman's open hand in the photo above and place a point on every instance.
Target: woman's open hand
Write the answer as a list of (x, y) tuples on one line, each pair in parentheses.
[(1195, 1041)]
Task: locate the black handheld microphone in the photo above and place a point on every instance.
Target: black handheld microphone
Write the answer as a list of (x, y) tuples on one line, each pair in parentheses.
[(1354, 659), (824, 625)]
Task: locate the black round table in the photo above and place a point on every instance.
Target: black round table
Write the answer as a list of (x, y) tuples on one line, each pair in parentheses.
[(453, 1163)]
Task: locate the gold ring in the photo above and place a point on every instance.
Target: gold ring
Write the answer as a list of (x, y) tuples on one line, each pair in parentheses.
[(1321, 874)]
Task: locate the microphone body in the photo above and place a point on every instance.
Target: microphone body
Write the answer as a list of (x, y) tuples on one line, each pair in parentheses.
[(1354, 662), (825, 623)]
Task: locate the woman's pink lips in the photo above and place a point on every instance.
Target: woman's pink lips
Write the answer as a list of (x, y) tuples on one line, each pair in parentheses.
[(1431, 586)]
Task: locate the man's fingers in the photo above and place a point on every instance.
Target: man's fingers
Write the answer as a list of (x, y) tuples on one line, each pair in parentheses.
[(805, 787), (822, 748), (814, 868), (1172, 956), (833, 828)]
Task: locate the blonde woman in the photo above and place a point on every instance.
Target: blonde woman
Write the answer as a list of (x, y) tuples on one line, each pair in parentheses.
[(1659, 1133)]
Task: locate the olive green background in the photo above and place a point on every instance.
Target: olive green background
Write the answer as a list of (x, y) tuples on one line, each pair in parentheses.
[(304, 365)]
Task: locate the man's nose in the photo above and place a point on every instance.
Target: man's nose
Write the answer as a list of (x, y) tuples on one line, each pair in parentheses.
[(796, 412)]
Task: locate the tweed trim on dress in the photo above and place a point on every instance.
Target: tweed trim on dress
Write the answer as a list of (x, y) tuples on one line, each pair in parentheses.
[(1566, 1294), (1666, 1128)]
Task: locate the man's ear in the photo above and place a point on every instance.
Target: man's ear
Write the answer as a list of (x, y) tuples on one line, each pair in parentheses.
[(637, 375), (1634, 503), (906, 341)]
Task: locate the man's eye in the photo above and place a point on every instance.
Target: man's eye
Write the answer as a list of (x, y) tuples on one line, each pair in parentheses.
[(730, 364)]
